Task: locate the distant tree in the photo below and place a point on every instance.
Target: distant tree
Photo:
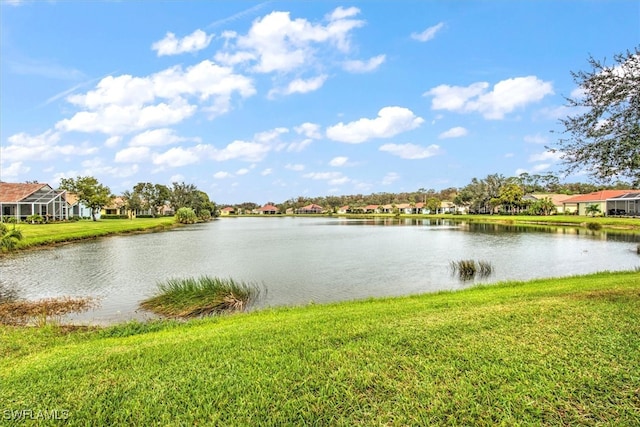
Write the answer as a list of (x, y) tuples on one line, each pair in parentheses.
[(131, 201), (89, 191), (432, 204), (510, 197), (604, 134)]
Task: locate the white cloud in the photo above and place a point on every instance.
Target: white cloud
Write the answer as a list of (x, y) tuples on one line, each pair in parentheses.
[(113, 141), (339, 161), (176, 178), (390, 178), (300, 86), (242, 150), (178, 156), (546, 156), (390, 122), (455, 132), (411, 151), (23, 146), (506, 96), (125, 104), (299, 146), (310, 130), (356, 66), (242, 171), (14, 170), (295, 167), (170, 45), (323, 175), (266, 172), (277, 43), (427, 34), (95, 167), (536, 139), (222, 175), (132, 155), (155, 137)]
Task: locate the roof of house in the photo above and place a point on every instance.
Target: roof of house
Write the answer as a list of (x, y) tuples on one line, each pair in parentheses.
[(268, 208), (371, 207), (16, 192), (228, 209), (598, 196), (556, 199), (310, 207)]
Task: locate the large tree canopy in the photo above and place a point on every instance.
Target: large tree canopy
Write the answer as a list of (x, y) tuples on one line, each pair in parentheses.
[(603, 137), (89, 191)]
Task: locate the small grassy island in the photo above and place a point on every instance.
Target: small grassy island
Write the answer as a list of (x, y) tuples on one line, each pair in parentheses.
[(552, 352)]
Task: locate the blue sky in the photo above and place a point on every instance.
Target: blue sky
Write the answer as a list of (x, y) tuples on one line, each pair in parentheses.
[(265, 101)]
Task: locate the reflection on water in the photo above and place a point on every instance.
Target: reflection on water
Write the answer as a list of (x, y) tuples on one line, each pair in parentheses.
[(300, 260)]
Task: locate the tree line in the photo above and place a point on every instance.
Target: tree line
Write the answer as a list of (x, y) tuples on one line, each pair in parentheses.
[(143, 197)]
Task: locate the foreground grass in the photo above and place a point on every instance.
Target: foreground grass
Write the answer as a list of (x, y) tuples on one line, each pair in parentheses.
[(61, 232), (552, 352)]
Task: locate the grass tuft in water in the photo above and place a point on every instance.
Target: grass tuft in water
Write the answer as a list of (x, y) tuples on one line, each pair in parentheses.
[(19, 312), (203, 296), (467, 269)]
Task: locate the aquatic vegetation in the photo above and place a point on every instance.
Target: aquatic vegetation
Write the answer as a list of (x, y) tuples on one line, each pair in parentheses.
[(467, 269), (19, 312), (203, 296)]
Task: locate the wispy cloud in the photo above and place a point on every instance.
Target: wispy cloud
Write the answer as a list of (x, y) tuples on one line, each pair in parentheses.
[(238, 15), (427, 34)]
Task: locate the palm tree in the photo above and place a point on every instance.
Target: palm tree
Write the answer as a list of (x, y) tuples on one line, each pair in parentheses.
[(593, 210), (9, 238)]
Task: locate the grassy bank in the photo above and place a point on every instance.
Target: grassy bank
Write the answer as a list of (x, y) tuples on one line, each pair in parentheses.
[(552, 352), (61, 232)]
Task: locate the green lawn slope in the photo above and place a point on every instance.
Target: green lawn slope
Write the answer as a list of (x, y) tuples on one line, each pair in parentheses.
[(546, 352)]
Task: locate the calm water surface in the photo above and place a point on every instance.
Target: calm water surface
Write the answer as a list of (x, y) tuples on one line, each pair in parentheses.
[(303, 260)]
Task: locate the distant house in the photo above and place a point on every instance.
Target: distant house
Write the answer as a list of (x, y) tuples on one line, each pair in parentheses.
[(557, 200), (343, 210), (20, 200), (76, 208), (310, 209), (371, 209), (626, 204), (227, 211), (579, 203), (116, 207), (268, 210)]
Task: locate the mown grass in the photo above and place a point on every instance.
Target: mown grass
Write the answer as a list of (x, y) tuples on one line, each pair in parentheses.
[(572, 220), (201, 296), (61, 232), (546, 352)]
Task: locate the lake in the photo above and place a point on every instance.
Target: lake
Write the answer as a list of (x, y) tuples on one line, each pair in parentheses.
[(309, 260)]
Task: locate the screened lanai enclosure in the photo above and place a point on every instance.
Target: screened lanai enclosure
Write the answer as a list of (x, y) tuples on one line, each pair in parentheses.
[(626, 204), (18, 201)]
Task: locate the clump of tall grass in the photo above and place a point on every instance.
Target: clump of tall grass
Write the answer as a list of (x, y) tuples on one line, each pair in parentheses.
[(467, 269), (202, 296)]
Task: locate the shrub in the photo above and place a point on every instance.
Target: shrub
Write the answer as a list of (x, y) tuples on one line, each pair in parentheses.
[(205, 214), (199, 297), (35, 219), (186, 216)]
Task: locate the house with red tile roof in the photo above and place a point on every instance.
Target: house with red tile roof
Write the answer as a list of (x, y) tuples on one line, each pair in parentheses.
[(311, 209), (226, 211), (578, 204), (268, 210), (21, 200)]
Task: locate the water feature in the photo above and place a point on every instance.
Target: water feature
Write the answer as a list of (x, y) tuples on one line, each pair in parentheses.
[(304, 260)]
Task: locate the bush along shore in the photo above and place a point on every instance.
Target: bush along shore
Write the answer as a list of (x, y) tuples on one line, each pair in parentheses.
[(545, 352)]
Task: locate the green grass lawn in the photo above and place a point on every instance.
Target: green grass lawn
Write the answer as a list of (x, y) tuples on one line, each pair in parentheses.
[(59, 232), (546, 352)]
